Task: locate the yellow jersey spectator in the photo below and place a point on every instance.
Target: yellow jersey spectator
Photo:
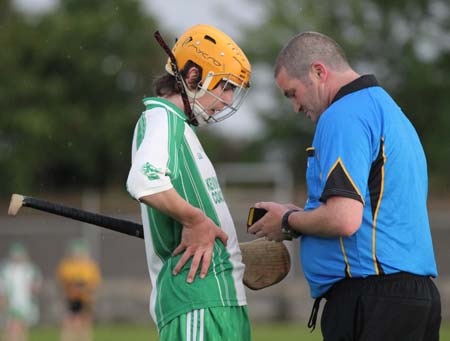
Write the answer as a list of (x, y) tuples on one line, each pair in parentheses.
[(79, 276)]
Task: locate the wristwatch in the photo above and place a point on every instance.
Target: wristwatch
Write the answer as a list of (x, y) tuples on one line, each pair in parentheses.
[(286, 228)]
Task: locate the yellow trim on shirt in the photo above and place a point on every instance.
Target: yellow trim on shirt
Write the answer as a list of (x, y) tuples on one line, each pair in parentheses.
[(339, 161), (375, 216), (347, 264)]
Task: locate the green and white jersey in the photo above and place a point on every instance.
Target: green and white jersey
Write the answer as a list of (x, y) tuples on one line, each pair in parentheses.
[(17, 280), (167, 154)]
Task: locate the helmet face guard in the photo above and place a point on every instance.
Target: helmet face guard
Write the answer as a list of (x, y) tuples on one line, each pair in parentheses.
[(221, 61), (203, 114)]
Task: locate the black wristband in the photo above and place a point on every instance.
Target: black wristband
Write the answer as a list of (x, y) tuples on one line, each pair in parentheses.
[(286, 228)]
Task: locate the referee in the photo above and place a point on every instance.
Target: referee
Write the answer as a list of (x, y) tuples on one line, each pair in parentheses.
[(365, 245)]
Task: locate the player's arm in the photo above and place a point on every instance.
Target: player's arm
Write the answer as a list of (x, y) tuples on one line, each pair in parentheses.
[(150, 181), (198, 235), (344, 170), (338, 217)]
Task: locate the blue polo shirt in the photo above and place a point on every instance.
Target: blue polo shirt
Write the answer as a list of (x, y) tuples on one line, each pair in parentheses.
[(366, 149)]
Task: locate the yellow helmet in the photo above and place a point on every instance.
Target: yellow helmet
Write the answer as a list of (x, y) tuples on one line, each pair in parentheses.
[(220, 59), (215, 52)]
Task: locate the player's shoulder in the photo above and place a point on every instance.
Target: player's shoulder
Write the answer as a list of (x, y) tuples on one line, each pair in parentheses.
[(156, 106), (360, 107), (338, 116)]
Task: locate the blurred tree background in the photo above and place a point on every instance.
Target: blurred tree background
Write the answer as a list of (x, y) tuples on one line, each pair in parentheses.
[(70, 92), (72, 80)]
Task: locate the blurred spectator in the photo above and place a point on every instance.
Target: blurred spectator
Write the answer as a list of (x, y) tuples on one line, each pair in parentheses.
[(79, 276), (20, 282)]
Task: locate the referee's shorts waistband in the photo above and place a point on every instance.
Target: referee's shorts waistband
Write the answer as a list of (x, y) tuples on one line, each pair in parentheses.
[(356, 286)]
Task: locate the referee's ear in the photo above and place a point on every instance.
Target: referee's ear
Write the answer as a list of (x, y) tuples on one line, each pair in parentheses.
[(319, 71)]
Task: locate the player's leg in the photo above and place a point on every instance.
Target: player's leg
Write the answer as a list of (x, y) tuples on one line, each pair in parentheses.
[(219, 323), (434, 320), (338, 316), (16, 324), (15, 330), (70, 326), (389, 308), (400, 307)]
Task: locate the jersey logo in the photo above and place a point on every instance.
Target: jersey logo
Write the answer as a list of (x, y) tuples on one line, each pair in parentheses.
[(152, 172)]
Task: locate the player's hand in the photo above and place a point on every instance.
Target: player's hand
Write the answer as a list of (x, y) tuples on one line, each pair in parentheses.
[(197, 241), (269, 225)]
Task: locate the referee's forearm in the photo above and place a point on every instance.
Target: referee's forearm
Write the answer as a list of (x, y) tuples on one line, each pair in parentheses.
[(338, 217)]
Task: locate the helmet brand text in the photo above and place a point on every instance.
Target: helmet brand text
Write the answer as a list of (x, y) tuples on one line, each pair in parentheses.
[(204, 55)]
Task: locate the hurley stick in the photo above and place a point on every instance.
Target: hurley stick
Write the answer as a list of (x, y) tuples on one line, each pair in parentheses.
[(266, 262), (110, 223)]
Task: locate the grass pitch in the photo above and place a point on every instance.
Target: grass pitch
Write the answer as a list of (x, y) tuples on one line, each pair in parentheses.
[(260, 332)]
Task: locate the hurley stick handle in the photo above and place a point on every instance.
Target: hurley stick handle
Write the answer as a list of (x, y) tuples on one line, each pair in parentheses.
[(119, 225)]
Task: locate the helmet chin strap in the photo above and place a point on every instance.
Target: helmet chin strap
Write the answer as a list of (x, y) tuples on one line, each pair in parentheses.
[(178, 77)]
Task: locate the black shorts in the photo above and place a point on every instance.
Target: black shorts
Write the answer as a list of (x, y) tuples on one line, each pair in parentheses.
[(387, 307), (77, 306)]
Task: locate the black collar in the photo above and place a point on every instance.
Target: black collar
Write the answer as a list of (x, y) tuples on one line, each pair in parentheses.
[(365, 81)]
